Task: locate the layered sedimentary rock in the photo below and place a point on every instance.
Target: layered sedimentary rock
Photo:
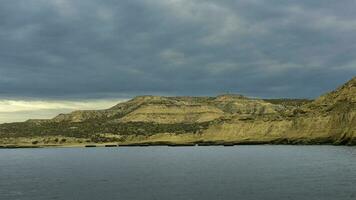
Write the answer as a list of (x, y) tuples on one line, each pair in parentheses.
[(329, 119)]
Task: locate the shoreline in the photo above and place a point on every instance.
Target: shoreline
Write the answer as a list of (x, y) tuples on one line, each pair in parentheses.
[(170, 144)]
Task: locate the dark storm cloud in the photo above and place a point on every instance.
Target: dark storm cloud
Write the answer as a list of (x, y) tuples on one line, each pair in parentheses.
[(92, 48)]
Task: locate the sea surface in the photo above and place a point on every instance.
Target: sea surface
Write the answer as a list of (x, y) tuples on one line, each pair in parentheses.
[(168, 173)]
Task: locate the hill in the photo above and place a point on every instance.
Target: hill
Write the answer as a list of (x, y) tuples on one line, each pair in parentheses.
[(225, 119)]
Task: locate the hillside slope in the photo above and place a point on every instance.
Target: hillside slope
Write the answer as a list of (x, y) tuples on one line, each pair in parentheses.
[(330, 119)]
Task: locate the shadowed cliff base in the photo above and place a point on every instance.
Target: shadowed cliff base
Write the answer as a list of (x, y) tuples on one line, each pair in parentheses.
[(225, 120)]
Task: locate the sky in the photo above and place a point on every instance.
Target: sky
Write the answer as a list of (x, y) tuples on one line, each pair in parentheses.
[(91, 54)]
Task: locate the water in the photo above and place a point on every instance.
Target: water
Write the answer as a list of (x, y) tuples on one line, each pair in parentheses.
[(239, 172)]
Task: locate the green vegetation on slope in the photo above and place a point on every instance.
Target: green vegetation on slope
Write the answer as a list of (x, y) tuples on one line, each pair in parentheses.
[(88, 128)]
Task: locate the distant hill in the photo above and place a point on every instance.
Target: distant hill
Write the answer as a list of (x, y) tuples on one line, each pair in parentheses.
[(225, 119)]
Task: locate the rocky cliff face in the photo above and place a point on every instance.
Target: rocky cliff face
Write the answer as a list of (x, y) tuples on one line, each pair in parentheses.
[(330, 118), (339, 109)]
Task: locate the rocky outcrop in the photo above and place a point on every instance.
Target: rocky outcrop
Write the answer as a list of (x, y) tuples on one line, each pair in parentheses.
[(230, 119), (328, 119)]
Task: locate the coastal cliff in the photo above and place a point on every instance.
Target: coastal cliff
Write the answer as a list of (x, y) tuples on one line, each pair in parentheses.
[(225, 119)]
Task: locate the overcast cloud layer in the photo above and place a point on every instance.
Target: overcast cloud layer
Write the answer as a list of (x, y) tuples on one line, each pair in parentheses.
[(70, 49)]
